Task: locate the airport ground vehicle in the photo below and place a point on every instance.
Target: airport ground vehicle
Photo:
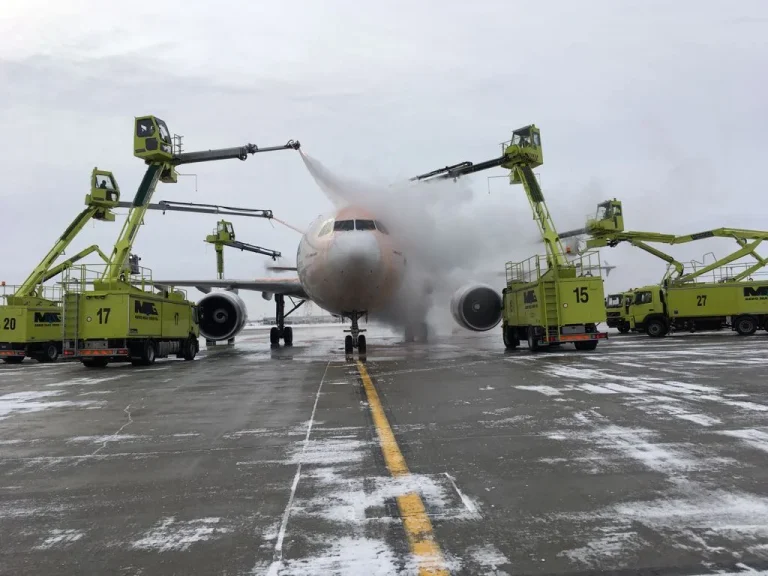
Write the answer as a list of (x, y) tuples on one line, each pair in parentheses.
[(30, 315), (695, 296), (548, 300), (124, 316), (617, 310)]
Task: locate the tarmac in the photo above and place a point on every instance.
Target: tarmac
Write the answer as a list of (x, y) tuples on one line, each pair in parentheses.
[(452, 457)]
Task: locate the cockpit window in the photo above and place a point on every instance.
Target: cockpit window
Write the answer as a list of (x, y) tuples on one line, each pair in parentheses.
[(326, 229), (344, 225), (364, 225), (381, 227)]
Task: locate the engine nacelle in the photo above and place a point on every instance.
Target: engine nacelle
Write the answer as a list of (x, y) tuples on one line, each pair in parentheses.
[(476, 307), (222, 315)]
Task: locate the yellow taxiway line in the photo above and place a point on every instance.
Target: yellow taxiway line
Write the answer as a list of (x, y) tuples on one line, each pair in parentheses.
[(418, 527)]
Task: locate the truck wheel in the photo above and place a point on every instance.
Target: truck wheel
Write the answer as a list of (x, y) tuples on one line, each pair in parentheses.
[(50, 353), (190, 349), (624, 328), (655, 328), (95, 363), (586, 345), (148, 354), (510, 337), (533, 344), (746, 325)]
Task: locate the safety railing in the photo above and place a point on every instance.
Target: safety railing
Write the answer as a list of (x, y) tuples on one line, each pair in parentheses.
[(89, 277), (50, 292), (531, 269), (748, 271)]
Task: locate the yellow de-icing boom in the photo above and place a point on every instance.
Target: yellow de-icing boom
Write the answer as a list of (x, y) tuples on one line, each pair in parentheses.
[(104, 196), (520, 156), (152, 142), (607, 229)]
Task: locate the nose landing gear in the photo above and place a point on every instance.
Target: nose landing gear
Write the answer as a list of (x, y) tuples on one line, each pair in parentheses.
[(355, 339)]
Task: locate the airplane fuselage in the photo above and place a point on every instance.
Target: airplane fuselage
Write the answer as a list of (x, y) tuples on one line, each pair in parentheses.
[(348, 263)]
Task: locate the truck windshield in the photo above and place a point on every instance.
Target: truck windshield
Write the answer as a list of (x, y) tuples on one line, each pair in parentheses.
[(613, 301), (643, 298)]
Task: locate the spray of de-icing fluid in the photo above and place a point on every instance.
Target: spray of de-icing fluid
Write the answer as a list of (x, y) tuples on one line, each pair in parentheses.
[(450, 236)]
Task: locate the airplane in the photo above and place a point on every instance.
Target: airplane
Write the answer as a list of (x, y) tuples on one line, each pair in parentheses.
[(349, 264)]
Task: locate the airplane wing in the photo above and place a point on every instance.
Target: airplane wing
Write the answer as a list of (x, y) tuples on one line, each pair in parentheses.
[(285, 286)]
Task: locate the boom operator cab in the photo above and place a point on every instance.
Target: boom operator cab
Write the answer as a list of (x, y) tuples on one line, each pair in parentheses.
[(548, 300), (31, 313)]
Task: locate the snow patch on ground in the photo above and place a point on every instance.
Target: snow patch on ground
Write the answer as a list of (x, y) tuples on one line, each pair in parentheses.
[(346, 556), (27, 402), (106, 438), (754, 438), (546, 390), (60, 538), (170, 534)]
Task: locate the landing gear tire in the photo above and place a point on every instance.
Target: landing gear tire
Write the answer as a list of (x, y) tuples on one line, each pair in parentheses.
[(655, 328), (746, 325), (190, 349), (288, 336), (348, 344), (361, 344), (14, 360), (50, 353), (95, 363), (274, 336), (509, 335), (408, 333), (422, 334), (586, 345)]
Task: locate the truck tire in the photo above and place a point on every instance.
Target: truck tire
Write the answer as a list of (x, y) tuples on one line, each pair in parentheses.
[(190, 349), (533, 344), (50, 353), (148, 354), (509, 335), (746, 325), (586, 345), (655, 327), (623, 328)]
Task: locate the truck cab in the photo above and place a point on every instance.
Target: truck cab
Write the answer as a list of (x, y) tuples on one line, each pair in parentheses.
[(617, 307)]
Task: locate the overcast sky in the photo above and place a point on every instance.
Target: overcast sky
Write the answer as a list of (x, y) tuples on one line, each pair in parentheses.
[(660, 104)]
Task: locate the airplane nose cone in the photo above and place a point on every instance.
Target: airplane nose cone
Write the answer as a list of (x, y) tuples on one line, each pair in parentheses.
[(355, 256)]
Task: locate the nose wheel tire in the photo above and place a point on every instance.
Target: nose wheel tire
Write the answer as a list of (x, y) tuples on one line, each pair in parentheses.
[(361, 346), (274, 336), (348, 344), (288, 336)]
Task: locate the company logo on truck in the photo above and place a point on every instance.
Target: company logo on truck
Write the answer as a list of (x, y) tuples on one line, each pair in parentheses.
[(145, 310), (755, 292), (47, 318)]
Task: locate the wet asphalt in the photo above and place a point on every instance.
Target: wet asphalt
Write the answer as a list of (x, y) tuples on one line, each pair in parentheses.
[(642, 457)]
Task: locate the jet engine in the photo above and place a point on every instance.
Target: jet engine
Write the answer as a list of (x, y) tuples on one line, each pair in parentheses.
[(222, 315), (476, 307)]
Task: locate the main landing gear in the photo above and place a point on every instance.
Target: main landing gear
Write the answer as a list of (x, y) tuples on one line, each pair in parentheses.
[(281, 331), (355, 339)]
